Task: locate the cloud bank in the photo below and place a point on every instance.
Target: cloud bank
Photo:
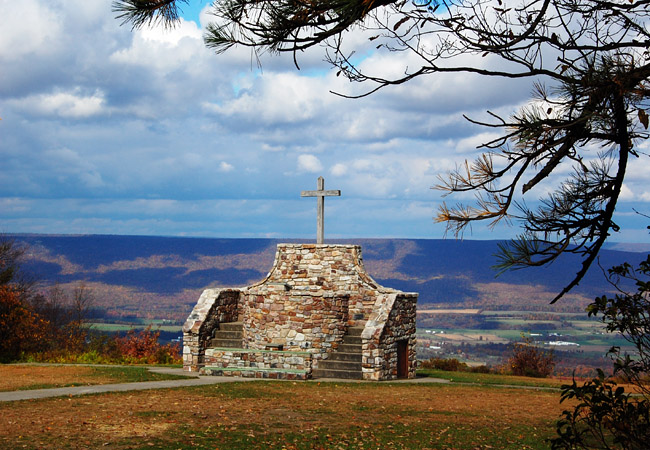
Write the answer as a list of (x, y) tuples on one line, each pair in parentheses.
[(105, 130)]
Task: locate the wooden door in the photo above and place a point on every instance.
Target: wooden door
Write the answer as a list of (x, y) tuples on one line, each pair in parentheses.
[(402, 359)]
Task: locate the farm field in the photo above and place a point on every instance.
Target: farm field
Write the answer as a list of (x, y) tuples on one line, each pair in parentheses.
[(289, 415), (476, 338), (450, 311), (113, 327)]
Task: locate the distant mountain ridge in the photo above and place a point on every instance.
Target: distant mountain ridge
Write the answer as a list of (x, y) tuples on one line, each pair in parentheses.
[(165, 275)]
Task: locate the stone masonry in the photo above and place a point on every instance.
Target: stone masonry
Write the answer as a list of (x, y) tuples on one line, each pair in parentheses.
[(299, 314)]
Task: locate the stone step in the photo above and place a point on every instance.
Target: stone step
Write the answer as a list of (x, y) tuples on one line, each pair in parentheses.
[(341, 374), (255, 372), (328, 364), (341, 356), (349, 348), (226, 343), (352, 339), (354, 331), (229, 335), (223, 334), (231, 326)]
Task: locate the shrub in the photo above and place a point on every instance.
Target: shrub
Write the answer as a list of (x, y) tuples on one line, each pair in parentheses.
[(449, 365), (480, 369), (604, 415), (529, 360), (143, 347)]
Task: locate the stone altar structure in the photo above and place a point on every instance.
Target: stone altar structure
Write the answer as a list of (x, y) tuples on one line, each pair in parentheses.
[(317, 314)]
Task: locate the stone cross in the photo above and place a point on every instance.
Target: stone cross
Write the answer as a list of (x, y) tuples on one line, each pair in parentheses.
[(320, 195)]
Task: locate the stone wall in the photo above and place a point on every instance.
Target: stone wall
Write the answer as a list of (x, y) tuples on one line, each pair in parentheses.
[(312, 294), (400, 327), (294, 320), (393, 320), (257, 363), (331, 268), (214, 306)]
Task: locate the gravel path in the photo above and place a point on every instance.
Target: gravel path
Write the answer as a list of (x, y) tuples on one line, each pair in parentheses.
[(144, 385), (121, 387)]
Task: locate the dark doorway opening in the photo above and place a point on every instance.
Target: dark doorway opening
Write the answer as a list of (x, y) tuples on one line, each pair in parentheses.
[(402, 359)]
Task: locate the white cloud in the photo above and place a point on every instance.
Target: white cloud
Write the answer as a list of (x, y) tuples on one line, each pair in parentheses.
[(68, 166), (645, 196), (14, 205), (63, 104), (309, 163), (163, 50), (172, 36), (28, 28), (273, 148), (276, 99), (338, 170), (470, 144), (626, 194), (367, 165), (225, 167)]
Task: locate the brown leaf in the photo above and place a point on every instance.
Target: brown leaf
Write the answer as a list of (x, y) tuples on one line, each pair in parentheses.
[(643, 118), (400, 22)]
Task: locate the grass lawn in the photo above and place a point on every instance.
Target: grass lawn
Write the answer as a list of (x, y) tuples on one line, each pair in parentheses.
[(288, 415), (15, 377), (489, 379)]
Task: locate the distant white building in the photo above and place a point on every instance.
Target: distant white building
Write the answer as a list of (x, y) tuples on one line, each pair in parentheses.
[(563, 343)]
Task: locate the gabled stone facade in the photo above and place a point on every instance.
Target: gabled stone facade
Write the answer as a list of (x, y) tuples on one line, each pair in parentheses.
[(299, 316)]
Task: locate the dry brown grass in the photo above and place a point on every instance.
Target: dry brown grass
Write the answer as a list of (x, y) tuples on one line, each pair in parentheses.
[(16, 377), (344, 415)]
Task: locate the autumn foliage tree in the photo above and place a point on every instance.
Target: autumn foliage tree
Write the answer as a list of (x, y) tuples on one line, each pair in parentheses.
[(65, 313), (21, 329)]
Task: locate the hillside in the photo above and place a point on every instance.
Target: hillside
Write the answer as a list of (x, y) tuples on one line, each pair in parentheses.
[(161, 277)]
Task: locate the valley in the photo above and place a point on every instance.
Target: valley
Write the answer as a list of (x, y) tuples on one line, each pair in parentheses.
[(464, 309)]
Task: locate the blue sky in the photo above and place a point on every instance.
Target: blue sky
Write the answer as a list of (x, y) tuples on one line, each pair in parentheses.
[(192, 10), (110, 131)]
